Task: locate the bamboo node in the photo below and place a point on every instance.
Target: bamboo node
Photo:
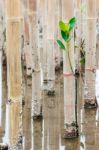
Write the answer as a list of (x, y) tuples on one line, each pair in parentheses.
[(31, 13), (68, 74), (9, 101), (14, 19), (91, 69)]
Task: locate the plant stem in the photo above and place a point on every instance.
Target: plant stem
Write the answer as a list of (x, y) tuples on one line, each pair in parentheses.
[(69, 59), (76, 100)]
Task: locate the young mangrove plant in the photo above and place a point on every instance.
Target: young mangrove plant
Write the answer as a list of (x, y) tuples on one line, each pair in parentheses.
[(65, 30)]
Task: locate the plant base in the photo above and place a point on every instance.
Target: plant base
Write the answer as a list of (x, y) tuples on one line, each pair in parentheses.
[(45, 81), (51, 92), (29, 76), (38, 117), (71, 131), (90, 103), (3, 146), (45, 85), (57, 68), (23, 103), (61, 64)]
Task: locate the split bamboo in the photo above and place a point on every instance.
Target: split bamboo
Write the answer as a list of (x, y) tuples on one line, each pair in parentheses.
[(36, 67), (14, 72), (50, 46)]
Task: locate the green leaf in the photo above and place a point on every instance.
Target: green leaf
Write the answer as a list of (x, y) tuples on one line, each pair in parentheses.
[(76, 46), (82, 61), (64, 27), (67, 27), (61, 45), (65, 35), (72, 23)]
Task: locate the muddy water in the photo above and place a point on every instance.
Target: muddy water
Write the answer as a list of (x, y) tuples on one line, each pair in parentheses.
[(48, 133)]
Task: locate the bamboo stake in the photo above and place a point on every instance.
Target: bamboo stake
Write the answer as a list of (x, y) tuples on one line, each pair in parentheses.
[(44, 66), (14, 72), (90, 67), (70, 124), (56, 34), (27, 47), (40, 36), (1, 49), (78, 32), (97, 37), (78, 51), (2, 120), (27, 53), (50, 47), (36, 68)]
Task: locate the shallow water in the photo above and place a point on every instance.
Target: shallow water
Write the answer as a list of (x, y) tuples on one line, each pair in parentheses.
[(48, 133)]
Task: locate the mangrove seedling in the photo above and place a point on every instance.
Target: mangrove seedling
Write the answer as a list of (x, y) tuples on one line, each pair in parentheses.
[(66, 36), (65, 30)]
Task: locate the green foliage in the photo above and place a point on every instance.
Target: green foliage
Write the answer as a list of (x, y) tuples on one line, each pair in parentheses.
[(82, 61), (65, 36), (82, 51), (65, 30), (63, 26), (72, 23), (61, 45)]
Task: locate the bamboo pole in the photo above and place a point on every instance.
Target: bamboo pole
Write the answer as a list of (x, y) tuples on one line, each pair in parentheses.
[(36, 67), (27, 53), (1, 50), (70, 124), (44, 57), (90, 67), (14, 72), (60, 17), (97, 37), (78, 31), (78, 51), (50, 47), (40, 37), (27, 47), (2, 120), (56, 34)]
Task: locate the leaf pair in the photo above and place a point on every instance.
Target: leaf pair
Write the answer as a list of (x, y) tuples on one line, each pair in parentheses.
[(65, 29), (61, 45)]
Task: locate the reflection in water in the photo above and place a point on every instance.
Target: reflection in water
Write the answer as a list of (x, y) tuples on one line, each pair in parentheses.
[(90, 129), (48, 133), (3, 105), (37, 135), (27, 114)]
